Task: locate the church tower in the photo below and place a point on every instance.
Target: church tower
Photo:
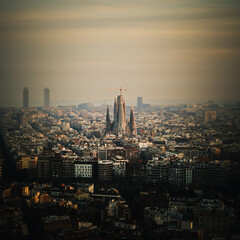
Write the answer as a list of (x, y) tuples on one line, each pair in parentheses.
[(108, 121), (132, 122), (120, 126)]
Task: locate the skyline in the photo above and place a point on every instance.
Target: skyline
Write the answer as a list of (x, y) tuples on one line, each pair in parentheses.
[(165, 51), (109, 103)]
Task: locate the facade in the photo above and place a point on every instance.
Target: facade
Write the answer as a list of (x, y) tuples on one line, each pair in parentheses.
[(25, 98), (83, 170), (212, 175), (43, 167), (26, 162), (102, 154), (46, 97), (180, 175), (188, 176), (105, 170), (56, 167), (218, 222), (157, 171), (68, 167), (177, 174), (120, 166)]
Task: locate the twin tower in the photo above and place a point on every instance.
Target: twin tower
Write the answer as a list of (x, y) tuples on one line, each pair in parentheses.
[(26, 97), (120, 126)]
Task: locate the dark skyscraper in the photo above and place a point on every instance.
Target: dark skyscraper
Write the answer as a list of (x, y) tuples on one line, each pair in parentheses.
[(46, 97), (139, 102), (25, 98)]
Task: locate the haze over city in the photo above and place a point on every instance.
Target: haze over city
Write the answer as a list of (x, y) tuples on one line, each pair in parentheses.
[(119, 119), (166, 51)]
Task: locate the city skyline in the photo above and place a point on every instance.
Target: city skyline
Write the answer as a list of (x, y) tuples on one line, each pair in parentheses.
[(119, 119), (45, 101), (166, 51)]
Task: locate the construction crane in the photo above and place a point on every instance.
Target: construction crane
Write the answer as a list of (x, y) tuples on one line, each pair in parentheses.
[(120, 89)]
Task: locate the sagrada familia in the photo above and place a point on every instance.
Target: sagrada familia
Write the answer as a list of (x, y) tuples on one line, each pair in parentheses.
[(120, 126)]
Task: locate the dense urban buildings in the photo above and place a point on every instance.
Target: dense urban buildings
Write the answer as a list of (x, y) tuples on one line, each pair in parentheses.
[(169, 172), (158, 162)]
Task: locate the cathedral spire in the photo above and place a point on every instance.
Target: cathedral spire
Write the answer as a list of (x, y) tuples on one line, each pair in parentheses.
[(108, 121), (132, 122), (119, 126)]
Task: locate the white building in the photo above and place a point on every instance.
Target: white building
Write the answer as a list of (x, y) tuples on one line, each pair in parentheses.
[(83, 170), (119, 166), (188, 176)]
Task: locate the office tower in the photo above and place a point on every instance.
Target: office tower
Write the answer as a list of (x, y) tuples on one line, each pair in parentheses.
[(139, 102), (25, 98), (46, 97), (132, 122)]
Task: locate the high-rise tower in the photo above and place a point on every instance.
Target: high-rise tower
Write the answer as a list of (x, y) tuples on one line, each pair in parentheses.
[(25, 98), (139, 102), (46, 97)]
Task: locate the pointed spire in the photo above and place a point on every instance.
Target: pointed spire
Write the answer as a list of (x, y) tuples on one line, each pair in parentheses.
[(124, 110), (108, 121), (107, 116), (132, 122), (119, 125), (115, 114)]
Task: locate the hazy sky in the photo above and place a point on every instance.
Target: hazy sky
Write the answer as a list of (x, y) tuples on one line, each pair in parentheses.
[(164, 50)]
